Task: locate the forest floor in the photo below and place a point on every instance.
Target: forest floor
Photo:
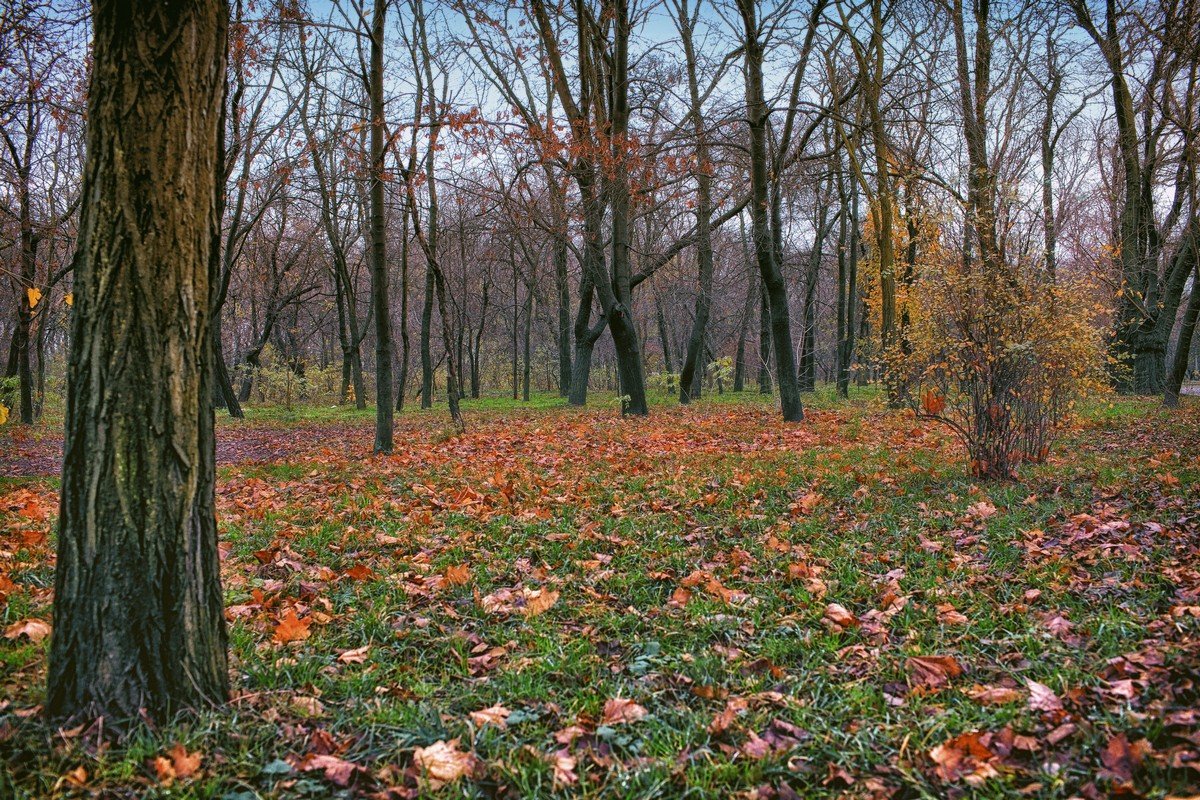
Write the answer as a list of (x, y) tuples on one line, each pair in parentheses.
[(705, 603)]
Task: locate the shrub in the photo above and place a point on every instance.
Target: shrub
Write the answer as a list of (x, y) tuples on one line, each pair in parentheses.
[(1002, 359)]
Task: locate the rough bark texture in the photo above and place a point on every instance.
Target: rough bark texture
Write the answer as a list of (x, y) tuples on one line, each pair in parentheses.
[(138, 622)]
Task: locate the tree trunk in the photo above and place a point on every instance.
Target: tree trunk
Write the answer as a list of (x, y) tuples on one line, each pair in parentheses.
[(378, 237), (402, 380), (562, 288), (1183, 345), (426, 340), (774, 287), (664, 338), (138, 618), (528, 344), (848, 244), (691, 377), (25, 310)]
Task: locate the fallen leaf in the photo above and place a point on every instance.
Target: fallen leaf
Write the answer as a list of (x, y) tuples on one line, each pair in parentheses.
[(1042, 697), (496, 715), (839, 615), (33, 629), (964, 758), (538, 601), (1120, 758), (618, 710), (442, 762), (994, 695), (564, 769), (355, 656), (177, 764), (457, 574), (932, 672), (947, 615), (338, 771), (291, 628)]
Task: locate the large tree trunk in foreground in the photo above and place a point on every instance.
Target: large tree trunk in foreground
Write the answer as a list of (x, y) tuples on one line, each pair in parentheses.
[(138, 622)]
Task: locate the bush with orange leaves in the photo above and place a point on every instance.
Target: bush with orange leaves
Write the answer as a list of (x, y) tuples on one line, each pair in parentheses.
[(999, 355)]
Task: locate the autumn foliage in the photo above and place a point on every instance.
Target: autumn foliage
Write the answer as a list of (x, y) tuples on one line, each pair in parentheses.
[(1002, 356)]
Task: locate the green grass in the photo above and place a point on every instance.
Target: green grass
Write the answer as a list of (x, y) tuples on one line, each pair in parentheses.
[(614, 515)]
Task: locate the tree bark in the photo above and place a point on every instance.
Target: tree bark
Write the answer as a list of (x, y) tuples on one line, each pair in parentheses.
[(379, 271), (138, 618), (1183, 345), (757, 112)]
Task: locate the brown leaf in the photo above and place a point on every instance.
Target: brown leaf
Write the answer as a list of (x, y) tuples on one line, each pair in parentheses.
[(338, 771), (618, 710), (564, 768), (291, 628), (457, 574), (442, 762), (355, 656), (755, 747), (964, 758), (177, 764), (496, 715), (1120, 758), (33, 629), (932, 672), (947, 615), (994, 695), (1042, 697), (839, 615), (538, 601)]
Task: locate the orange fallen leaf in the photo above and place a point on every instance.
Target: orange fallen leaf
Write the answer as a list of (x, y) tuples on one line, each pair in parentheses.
[(539, 601), (841, 616), (456, 574), (177, 764), (966, 758), (291, 628)]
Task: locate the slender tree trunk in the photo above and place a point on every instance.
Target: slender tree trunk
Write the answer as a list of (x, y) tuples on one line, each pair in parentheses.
[(402, 380), (378, 237), (848, 245), (528, 344), (739, 362), (25, 309), (426, 340), (139, 626), (562, 289), (764, 340), (664, 339), (808, 342)]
